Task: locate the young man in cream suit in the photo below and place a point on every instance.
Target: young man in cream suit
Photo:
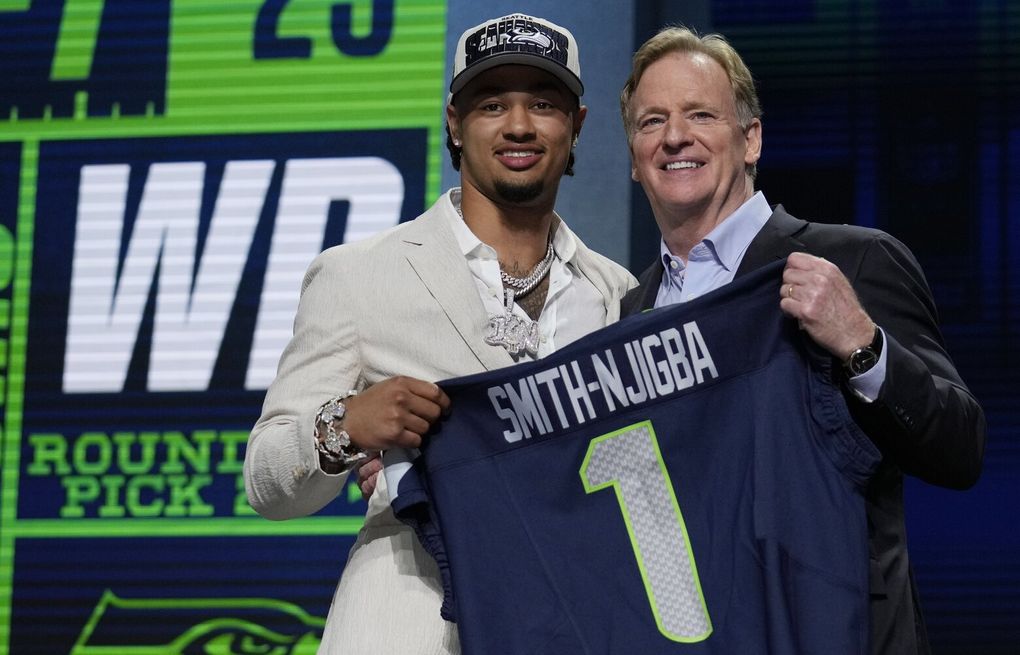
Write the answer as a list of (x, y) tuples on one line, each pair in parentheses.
[(488, 276)]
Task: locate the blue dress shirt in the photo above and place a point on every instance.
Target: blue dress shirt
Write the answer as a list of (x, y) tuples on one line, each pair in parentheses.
[(713, 262)]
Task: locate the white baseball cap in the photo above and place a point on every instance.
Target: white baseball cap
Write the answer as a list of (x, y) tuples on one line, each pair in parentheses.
[(517, 39)]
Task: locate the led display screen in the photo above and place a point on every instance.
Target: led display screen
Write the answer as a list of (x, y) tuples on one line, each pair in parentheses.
[(168, 170)]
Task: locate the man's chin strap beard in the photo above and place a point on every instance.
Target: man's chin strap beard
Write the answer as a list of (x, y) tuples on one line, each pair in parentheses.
[(519, 193)]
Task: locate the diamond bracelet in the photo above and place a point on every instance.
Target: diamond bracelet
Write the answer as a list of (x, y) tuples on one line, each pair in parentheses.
[(336, 448)]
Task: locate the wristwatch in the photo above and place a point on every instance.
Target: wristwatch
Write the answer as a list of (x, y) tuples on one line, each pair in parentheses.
[(336, 447), (864, 359)]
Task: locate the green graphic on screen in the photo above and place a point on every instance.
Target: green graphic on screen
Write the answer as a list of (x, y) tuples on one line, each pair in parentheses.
[(168, 170)]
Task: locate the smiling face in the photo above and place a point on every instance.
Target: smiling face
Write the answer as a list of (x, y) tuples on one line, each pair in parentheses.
[(516, 125), (688, 149)]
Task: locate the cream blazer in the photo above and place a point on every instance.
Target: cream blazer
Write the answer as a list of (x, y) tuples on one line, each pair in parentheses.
[(400, 303)]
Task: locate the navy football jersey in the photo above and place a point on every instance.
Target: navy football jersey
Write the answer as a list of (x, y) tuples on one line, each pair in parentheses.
[(688, 480)]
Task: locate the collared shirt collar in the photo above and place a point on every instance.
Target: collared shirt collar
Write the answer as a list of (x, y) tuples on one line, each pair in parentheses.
[(729, 240), (469, 244), (713, 261), (674, 266), (574, 306), (564, 243)]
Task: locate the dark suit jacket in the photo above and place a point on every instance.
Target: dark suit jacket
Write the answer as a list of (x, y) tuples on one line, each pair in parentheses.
[(925, 420)]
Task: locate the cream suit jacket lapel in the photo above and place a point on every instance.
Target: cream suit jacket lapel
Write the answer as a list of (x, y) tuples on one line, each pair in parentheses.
[(431, 251), (595, 272)]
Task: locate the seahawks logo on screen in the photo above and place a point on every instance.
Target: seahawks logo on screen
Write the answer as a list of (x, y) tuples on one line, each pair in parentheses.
[(198, 626)]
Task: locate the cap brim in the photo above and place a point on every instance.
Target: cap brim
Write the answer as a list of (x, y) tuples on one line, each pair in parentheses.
[(561, 73)]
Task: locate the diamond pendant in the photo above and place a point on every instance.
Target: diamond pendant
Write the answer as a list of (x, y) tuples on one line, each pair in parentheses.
[(514, 333)]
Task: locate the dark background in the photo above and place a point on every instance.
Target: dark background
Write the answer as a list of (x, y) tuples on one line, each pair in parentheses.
[(904, 116)]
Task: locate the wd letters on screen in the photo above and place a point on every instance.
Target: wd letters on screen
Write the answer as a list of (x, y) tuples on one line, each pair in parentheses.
[(170, 296)]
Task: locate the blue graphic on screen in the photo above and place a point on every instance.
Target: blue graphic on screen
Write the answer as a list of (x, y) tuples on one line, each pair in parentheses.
[(113, 56), (169, 293)]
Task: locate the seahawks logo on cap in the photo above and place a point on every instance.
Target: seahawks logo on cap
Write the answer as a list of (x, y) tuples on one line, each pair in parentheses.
[(525, 35), (515, 35)]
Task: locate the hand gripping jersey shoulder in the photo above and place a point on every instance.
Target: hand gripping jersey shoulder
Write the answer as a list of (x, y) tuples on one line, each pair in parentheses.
[(685, 481)]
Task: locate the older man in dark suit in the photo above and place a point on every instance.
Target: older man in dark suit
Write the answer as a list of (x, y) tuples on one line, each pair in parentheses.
[(693, 123)]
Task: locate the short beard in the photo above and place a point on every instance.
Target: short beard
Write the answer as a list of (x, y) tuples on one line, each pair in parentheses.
[(519, 193)]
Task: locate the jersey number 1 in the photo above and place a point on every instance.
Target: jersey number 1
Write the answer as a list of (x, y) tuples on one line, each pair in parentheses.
[(630, 462)]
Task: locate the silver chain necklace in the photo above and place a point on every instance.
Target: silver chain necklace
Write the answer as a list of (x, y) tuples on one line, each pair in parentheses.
[(525, 284), (509, 330)]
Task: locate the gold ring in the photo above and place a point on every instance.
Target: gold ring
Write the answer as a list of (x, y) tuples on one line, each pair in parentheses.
[(789, 291)]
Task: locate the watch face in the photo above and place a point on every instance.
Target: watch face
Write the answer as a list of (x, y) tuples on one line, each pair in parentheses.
[(862, 361)]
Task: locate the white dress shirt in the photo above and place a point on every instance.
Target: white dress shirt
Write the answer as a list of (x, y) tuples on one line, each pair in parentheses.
[(573, 306)]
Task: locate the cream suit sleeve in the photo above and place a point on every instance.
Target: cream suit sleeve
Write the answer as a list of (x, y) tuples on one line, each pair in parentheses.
[(281, 472)]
